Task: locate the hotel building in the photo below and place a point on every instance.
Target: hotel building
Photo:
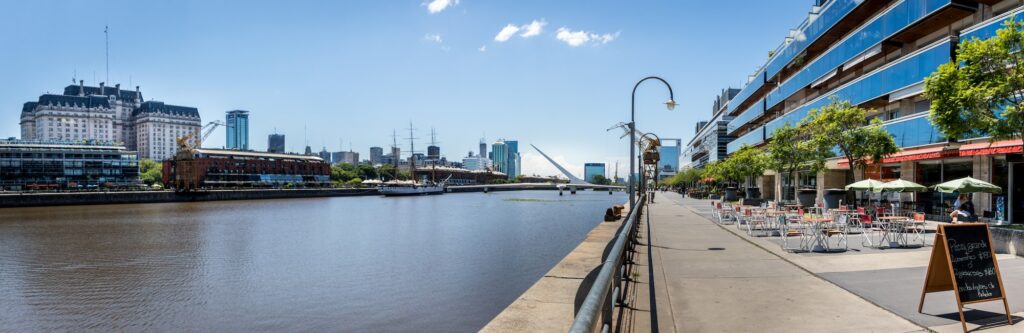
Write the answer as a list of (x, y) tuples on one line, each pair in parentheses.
[(109, 114), (876, 54)]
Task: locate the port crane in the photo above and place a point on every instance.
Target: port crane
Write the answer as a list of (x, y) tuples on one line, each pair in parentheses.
[(189, 142)]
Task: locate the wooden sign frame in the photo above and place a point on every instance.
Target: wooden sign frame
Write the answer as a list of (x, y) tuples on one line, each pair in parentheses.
[(940, 275)]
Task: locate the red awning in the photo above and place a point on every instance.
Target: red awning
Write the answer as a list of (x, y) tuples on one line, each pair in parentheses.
[(972, 149), (992, 148)]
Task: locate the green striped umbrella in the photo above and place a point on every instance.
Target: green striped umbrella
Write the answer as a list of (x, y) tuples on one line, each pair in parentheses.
[(967, 185), (864, 185), (901, 185)]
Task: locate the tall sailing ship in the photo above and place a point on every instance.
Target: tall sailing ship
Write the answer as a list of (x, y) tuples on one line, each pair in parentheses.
[(411, 187)]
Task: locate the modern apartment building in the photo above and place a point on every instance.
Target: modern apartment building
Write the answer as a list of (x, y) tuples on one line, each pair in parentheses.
[(876, 54), (109, 114), (237, 130), (710, 138)]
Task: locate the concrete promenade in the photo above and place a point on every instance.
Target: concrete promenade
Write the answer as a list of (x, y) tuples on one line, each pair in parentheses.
[(712, 278), (716, 281)]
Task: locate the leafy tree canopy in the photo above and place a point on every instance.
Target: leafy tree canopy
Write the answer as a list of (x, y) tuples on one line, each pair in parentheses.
[(981, 92), (841, 125)]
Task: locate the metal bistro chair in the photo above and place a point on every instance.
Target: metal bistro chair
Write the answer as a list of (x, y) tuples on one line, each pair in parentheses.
[(794, 228), (871, 228), (838, 230), (758, 221), (915, 229)]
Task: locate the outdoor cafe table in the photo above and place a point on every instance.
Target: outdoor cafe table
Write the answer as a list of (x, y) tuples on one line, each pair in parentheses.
[(892, 230), (818, 227)]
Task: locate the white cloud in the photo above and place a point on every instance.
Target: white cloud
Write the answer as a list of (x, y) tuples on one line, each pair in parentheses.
[(582, 37), (533, 28), (436, 6), (507, 32), (483, 48), (435, 38)]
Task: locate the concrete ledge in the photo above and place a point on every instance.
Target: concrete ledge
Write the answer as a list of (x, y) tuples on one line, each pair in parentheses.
[(549, 305)]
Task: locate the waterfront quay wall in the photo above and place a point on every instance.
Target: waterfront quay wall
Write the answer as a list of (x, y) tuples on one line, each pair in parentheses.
[(550, 304), (8, 200)]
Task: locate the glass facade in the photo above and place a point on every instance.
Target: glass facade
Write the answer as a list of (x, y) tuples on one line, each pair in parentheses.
[(874, 32), (753, 112), (669, 159), (753, 138), (592, 170), (47, 165), (833, 12), (915, 131), (908, 71), (237, 130), (744, 94)]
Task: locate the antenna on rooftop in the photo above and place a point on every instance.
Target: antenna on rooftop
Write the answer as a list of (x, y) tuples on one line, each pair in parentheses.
[(106, 42)]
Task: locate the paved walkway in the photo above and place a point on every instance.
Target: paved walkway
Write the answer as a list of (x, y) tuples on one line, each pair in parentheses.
[(708, 279)]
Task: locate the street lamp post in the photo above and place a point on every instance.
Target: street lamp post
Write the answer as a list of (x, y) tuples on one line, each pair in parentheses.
[(671, 104)]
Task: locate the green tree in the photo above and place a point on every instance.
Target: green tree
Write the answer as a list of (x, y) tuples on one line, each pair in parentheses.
[(791, 150), (150, 171), (602, 180), (367, 171), (979, 93), (841, 125), (387, 171), (343, 172), (747, 162)]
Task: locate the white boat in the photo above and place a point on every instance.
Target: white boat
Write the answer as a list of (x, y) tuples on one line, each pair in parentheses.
[(408, 187)]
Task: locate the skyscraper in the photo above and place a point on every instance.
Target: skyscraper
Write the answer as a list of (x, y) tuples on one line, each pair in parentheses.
[(376, 155), (483, 148), (514, 160), (499, 155), (238, 129), (325, 155), (275, 143), (592, 170)]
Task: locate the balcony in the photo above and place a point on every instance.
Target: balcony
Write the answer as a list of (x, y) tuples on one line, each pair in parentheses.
[(914, 131), (752, 138), (756, 110), (908, 71), (988, 28), (754, 87), (819, 33), (906, 20)]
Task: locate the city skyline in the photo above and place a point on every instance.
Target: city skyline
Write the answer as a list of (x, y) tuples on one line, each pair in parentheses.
[(357, 84)]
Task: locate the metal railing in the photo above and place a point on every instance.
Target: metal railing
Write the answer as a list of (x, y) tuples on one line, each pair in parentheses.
[(608, 291)]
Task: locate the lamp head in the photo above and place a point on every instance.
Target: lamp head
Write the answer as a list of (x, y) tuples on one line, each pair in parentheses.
[(671, 104)]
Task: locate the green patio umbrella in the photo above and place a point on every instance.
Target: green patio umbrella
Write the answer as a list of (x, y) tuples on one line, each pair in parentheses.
[(901, 185), (864, 185), (967, 185)]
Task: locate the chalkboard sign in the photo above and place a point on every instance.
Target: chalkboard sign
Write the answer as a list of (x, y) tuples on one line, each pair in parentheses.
[(974, 267), (964, 261)]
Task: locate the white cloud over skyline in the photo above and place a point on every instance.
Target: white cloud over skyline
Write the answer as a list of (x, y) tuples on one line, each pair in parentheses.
[(436, 6), (582, 37), (533, 28), (506, 33)]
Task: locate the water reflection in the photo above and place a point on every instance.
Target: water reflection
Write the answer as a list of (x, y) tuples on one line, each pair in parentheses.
[(442, 263)]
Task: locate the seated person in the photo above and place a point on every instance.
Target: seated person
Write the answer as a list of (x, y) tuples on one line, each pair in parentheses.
[(964, 211)]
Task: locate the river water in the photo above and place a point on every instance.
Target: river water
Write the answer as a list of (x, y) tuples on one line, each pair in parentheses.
[(447, 263)]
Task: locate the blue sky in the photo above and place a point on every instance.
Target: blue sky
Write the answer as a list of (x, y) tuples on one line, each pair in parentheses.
[(356, 70)]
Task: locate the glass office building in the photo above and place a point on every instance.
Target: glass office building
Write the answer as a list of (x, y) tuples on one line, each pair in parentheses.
[(876, 54), (238, 130), (59, 165), (592, 170)]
